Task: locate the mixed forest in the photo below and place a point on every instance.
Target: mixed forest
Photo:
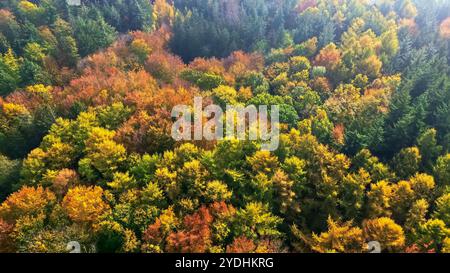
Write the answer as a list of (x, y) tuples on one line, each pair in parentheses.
[(86, 153)]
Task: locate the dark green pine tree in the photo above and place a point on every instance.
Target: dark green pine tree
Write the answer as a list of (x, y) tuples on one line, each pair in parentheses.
[(92, 33), (139, 15), (66, 51), (439, 108)]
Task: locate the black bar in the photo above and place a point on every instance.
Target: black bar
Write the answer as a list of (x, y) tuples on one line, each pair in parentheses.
[(224, 262)]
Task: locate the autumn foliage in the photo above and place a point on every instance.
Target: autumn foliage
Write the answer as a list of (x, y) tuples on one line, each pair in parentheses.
[(86, 151)]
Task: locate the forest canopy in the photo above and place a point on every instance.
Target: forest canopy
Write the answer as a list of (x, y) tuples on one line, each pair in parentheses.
[(86, 152)]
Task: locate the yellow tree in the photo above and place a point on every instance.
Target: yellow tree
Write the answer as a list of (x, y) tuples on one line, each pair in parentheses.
[(340, 237), (385, 231), (85, 204), (379, 197), (27, 201)]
